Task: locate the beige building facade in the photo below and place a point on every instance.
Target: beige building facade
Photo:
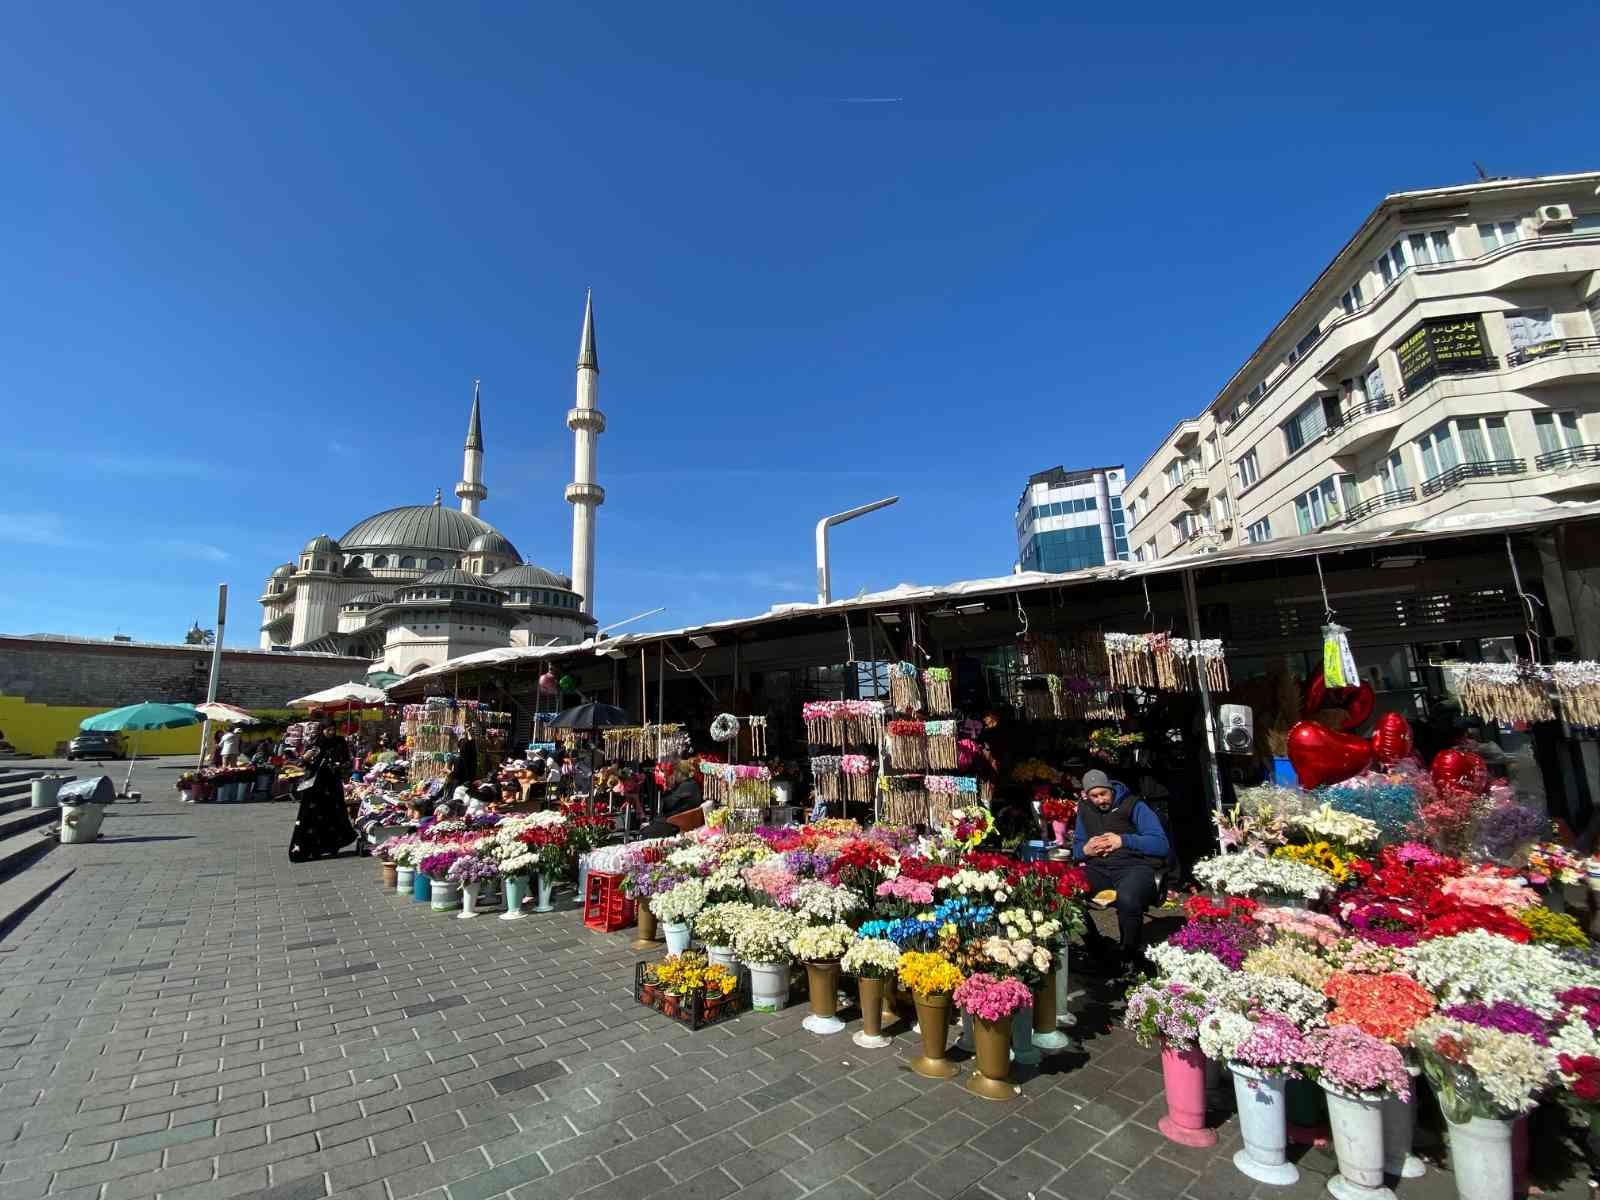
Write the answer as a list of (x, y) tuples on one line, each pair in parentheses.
[(1446, 362)]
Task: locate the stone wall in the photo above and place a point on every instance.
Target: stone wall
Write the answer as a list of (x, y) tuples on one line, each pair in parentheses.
[(111, 674)]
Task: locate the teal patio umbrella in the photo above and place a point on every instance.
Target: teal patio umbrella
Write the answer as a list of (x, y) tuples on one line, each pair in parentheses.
[(138, 717)]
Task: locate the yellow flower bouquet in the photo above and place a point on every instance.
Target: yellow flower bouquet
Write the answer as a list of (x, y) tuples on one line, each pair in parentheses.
[(928, 974)]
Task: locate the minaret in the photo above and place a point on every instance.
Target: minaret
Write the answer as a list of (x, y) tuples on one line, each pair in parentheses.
[(587, 423), (471, 489)]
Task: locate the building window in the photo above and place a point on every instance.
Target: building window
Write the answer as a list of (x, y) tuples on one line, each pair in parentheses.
[(1351, 300), (1391, 475), (1319, 506), (1438, 447), (1222, 507), (1303, 345), (380, 560), (1495, 234), (321, 566), (1431, 248), (1249, 469), (1133, 512), (1372, 385), (1210, 450), (1259, 531), (436, 564), (407, 563), (1308, 424), (1557, 431), (1174, 473)]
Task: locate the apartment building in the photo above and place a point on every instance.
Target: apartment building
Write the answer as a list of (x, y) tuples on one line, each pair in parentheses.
[(1068, 520), (1446, 361)]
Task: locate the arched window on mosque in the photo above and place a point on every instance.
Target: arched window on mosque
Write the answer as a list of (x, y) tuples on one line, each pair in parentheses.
[(436, 564), (408, 563), (380, 560)]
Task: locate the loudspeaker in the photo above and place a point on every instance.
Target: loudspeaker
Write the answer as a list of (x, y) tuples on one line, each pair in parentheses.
[(1238, 728)]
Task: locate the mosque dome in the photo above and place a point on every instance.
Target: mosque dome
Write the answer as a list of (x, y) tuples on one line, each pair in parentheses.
[(453, 577), (493, 543), (528, 575), (321, 544), (419, 526), (367, 599), (283, 572)]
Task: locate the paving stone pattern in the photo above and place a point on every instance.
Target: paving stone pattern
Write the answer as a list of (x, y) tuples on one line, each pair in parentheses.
[(192, 1016)]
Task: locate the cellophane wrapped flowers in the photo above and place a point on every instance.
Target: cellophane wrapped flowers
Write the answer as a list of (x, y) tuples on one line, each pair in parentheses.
[(821, 943), (1352, 1061), (1386, 1006), (871, 958), (1480, 1072), (1267, 1042), (989, 998)]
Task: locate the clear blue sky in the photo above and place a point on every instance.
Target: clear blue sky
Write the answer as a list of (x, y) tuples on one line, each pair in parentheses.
[(254, 256)]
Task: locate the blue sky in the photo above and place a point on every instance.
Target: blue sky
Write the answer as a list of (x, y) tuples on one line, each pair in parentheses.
[(254, 257)]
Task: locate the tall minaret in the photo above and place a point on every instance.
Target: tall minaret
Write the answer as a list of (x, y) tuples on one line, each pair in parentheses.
[(587, 423), (471, 489)]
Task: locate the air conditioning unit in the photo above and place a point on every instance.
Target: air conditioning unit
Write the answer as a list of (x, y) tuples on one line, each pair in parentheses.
[(1225, 525), (1551, 216)]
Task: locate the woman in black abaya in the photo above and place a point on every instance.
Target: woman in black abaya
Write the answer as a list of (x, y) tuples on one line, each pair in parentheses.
[(323, 824)]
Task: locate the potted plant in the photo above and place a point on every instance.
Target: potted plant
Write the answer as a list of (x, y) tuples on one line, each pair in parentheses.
[(444, 894), (516, 865), (470, 872), (1357, 1072), (1261, 1051), (931, 978), (762, 939), (1485, 1079), (1167, 1016), (675, 909), (874, 962), (714, 926), (820, 947), (992, 1002)]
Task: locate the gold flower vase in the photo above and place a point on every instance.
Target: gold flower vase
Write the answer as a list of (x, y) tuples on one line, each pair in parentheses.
[(646, 934), (1046, 1036), (933, 1016), (874, 1004), (992, 1079), (822, 978)]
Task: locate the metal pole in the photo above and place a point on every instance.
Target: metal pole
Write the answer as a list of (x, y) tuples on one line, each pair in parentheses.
[(824, 577), (661, 693), (216, 669), (1210, 750)]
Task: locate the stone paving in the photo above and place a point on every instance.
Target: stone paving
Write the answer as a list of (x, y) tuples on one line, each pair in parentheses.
[(191, 1016)]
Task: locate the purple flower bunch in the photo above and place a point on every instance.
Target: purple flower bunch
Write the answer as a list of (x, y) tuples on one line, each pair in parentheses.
[(1504, 1016), (1275, 1043), (1505, 827), (471, 868), (808, 864), (1165, 1015), (437, 866), (1228, 941)]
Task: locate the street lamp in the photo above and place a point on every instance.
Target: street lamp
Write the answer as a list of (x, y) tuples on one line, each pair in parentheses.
[(824, 579)]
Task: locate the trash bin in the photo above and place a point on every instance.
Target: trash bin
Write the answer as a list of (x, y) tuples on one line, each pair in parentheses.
[(83, 806), (46, 787)]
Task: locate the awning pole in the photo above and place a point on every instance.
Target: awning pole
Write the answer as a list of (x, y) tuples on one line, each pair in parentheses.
[(1210, 748)]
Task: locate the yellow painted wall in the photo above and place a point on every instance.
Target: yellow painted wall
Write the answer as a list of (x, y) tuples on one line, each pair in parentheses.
[(39, 728)]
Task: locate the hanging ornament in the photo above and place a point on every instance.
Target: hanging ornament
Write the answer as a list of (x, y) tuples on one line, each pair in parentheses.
[(547, 682), (1338, 663), (568, 684), (725, 728), (1391, 739)]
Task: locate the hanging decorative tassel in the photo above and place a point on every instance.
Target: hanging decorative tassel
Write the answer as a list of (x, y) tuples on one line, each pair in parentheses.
[(758, 736), (904, 694), (941, 744), (936, 680), (825, 777), (1578, 689), (1505, 692), (907, 745), (1338, 663), (857, 770), (905, 802)]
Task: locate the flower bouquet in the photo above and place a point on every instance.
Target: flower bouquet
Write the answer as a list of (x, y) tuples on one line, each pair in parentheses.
[(679, 904), (820, 947), (715, 925), (931, 978), (1360, 1075), (875, 962), (1263, 1052), (871, 958), (1480, 1072), (992, 1003), (1253, 875), (1387, 1006), (1168, 1015), (819, 903), (821, 943)]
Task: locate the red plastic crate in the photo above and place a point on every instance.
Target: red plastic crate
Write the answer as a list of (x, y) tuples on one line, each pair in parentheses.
[(605, 908)]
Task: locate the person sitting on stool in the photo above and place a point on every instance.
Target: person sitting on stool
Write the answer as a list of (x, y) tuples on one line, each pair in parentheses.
[(1121, 845)]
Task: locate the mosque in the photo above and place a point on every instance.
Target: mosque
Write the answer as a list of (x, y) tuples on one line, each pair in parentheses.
[(414, 586)]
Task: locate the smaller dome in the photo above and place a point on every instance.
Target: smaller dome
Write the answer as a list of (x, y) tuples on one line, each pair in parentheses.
[(367, 599), (283, 572), (528, 575), (492, 543), (321, 544), (453, 577)]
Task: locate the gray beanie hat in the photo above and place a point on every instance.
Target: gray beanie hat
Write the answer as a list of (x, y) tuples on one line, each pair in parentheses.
[(1096, 779)]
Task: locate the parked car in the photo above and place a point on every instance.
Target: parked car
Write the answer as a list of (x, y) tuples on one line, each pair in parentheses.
[(98, 745)]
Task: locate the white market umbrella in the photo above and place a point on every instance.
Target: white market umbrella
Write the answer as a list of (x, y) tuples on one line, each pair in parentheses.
[(343, 698), (228, 714)]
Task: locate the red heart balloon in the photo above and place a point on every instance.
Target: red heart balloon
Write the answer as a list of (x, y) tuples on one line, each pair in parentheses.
[(1460, 771), (1322, 755), (1391, 739), (1356, 701)]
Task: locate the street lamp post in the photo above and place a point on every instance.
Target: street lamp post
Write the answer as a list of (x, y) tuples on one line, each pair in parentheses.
[(824, 579)]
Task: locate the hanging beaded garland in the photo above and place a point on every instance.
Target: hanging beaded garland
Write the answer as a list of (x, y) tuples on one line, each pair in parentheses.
[(941, 744), (1508, 692), (936, 683), (737, 785), (825, 776), (905, 801), (904, 694), (857, 770), (1159, 660), (946, 793), (907, 745), (842, 722), (1578, 688)]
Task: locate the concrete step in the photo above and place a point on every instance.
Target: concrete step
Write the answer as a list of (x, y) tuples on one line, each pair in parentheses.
[(20, 840), (19, 774), (21, 894)]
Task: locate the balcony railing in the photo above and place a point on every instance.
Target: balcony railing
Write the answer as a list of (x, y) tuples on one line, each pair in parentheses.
[(1459, 474), (1360, 512), (1572, 456), (1528, 354), (1434, 372)]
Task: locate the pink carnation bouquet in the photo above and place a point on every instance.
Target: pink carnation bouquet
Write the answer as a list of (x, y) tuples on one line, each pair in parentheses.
[(991, 999), (1352, 1061), (1490, 890), (912, 891), (1302, 923)]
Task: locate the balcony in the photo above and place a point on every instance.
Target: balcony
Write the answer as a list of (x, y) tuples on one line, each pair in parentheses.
[(1196, 487), (1360, 512), (1187, 433), (1558, 361), (1459, 474), (1362, 424), (1572, 456), (1438, 371)]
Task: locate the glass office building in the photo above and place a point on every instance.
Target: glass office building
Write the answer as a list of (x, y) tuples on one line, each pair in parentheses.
[(1068, 520)]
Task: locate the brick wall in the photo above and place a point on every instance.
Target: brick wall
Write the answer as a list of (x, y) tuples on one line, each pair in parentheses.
[(111, 674)]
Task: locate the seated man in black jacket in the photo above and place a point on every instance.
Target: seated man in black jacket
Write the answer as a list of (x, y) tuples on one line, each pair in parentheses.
[(1120, 843)]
